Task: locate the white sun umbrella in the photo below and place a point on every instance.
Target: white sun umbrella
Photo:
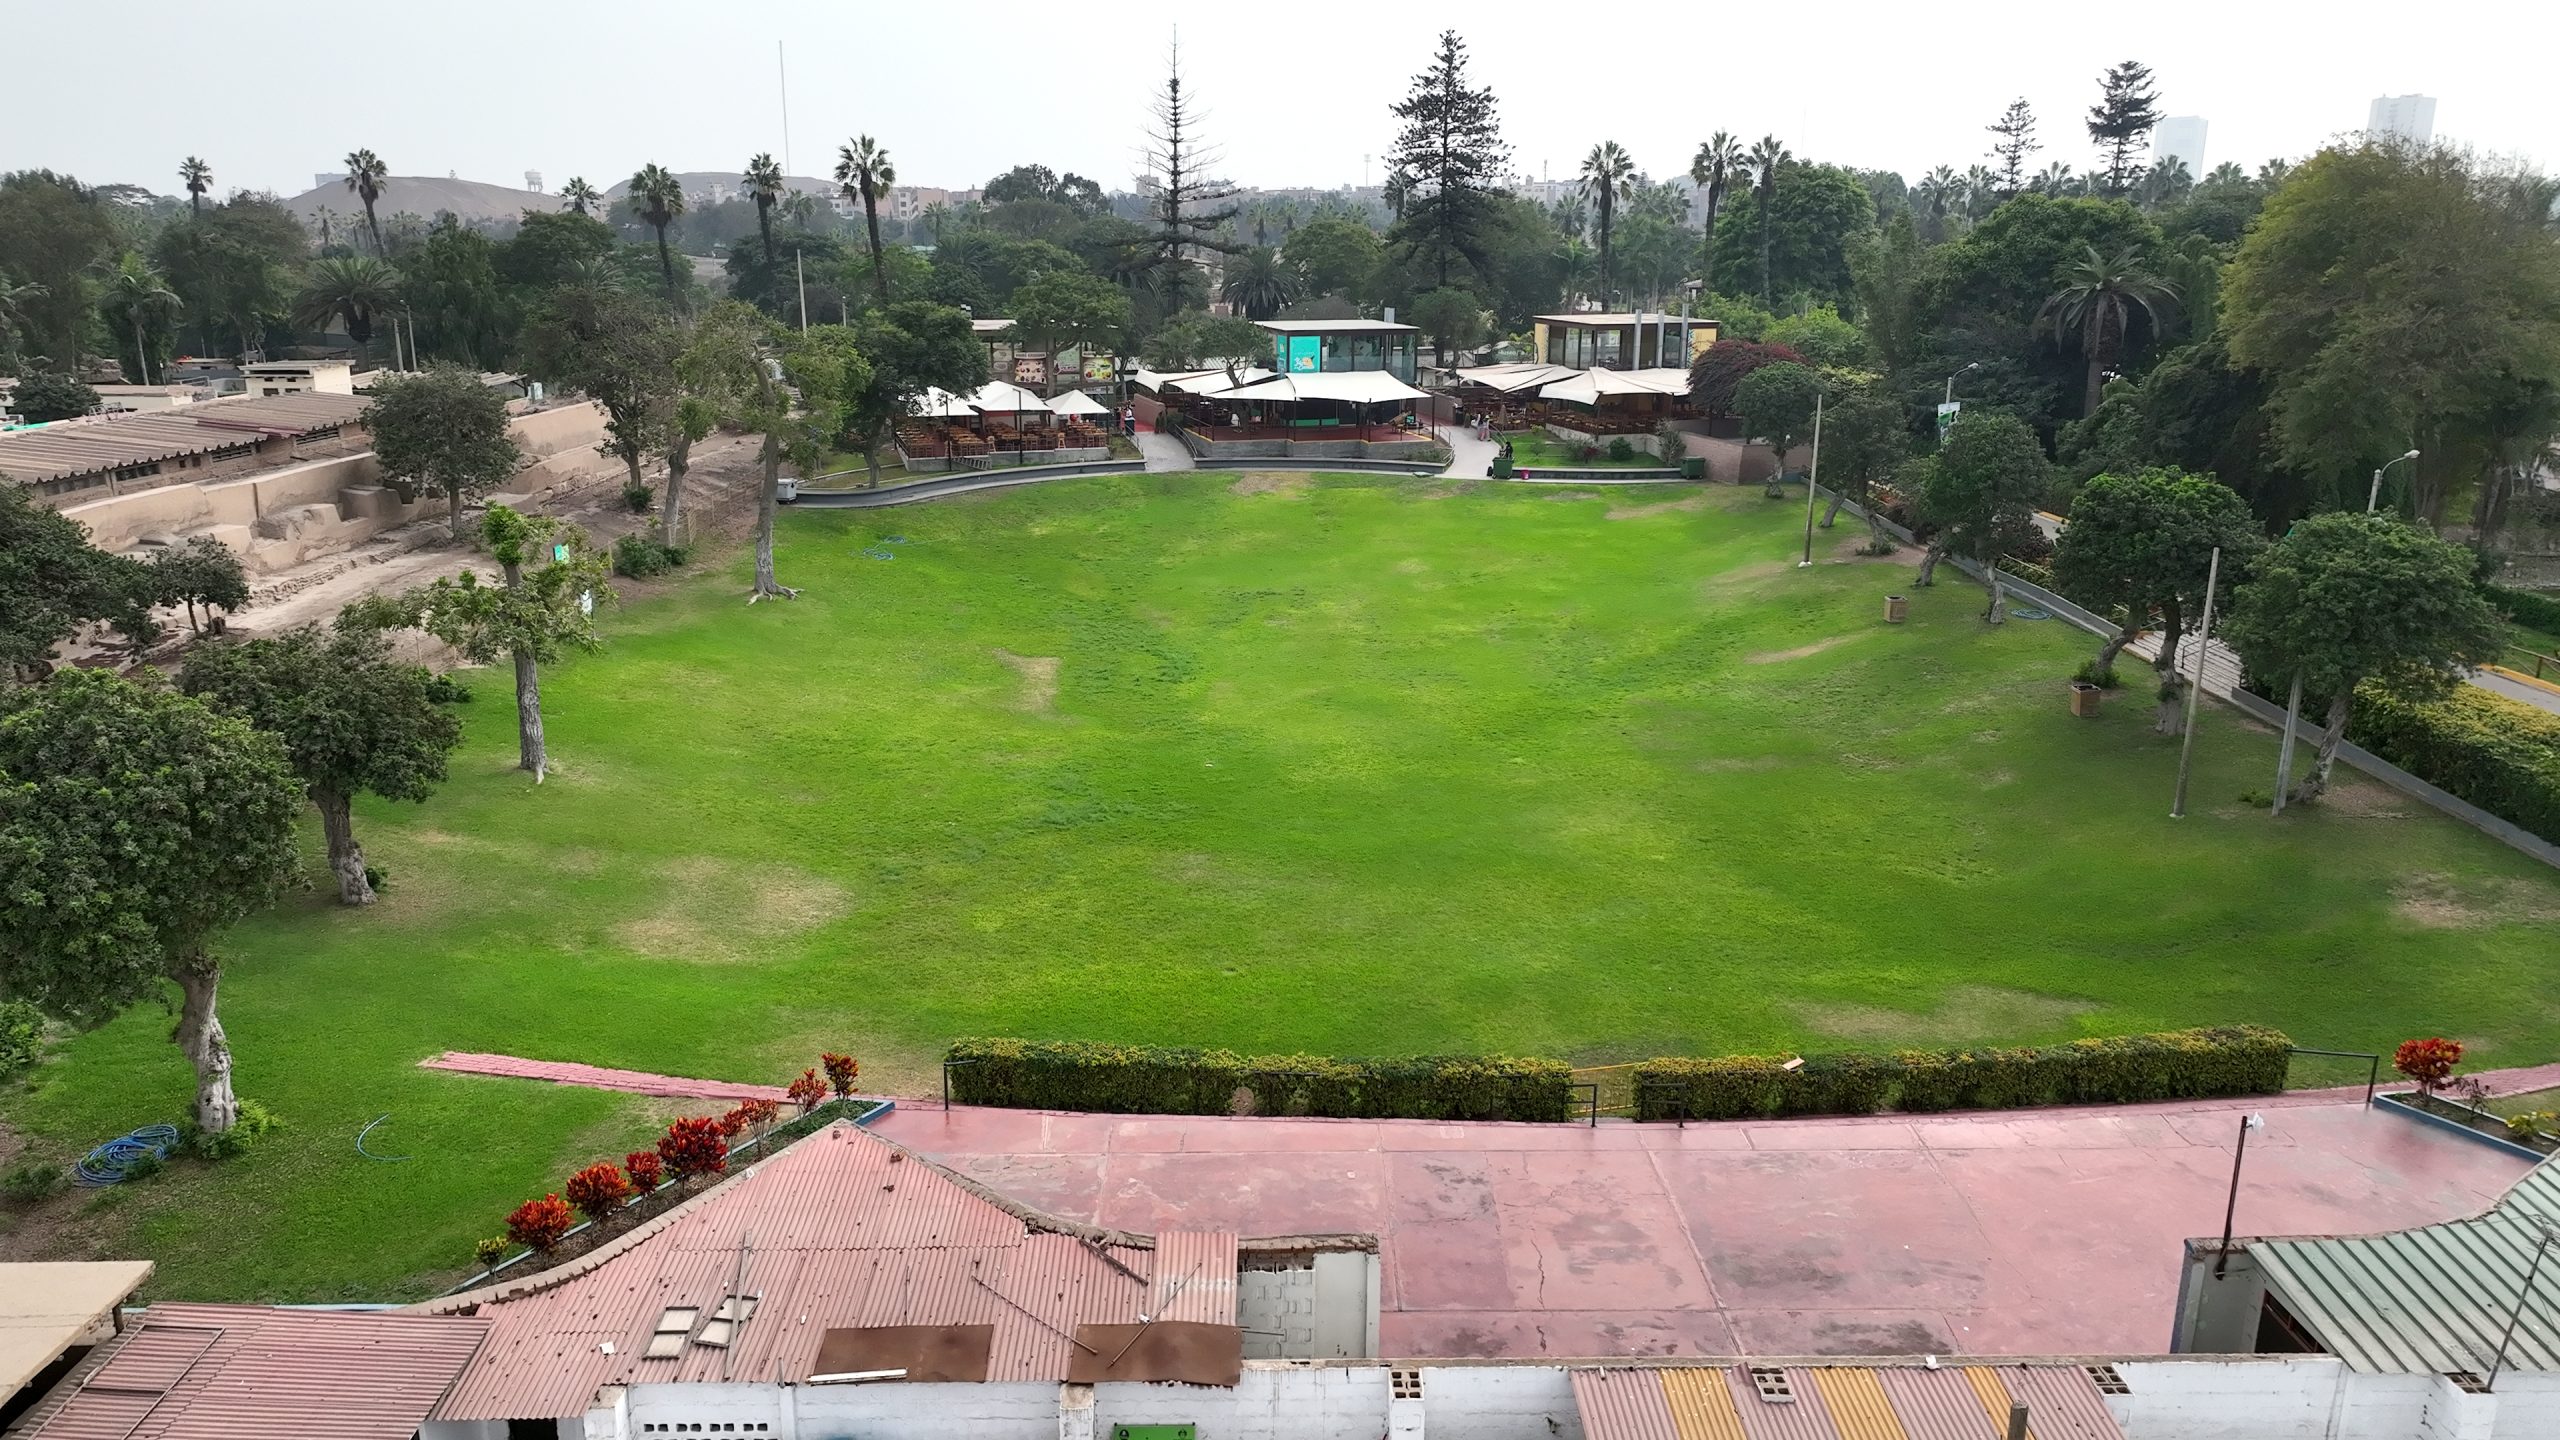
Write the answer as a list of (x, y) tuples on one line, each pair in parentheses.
[(1076, 402), (941, 405), (1003, 397)]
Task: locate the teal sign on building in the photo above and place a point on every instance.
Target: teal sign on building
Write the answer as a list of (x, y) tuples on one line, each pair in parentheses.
[(1306, 354)]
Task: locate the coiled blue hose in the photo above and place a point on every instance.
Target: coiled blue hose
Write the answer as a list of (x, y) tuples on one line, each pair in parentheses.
[(110, 1163)]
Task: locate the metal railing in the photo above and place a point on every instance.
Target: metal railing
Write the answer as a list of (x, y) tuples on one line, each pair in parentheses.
[(2373, 1071), (1590, 1100), (2540, 661)]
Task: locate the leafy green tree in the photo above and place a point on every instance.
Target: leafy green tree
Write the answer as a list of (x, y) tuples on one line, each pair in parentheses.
[(139, 296), (232, 266), (197, 177), (53, 581), (2016, 128), (828, 369), (1716, 376), (551, 248), (1608, 177), (552, 582), (1257, 284), (1818, 216), (1982, 493), (1866, 435), (2100, 295), (719, 374), (1452, 317), (449, 283), (802, 257), (765, 185), (135, 826), (2128, 109), (864, 171), (656, 198), (580, 194), (619, 351), (1066, 308), (1188, 209), (2143, 543), (1886, 271), (1449, 150), (1197, 339), (52, 395), (1776, 403), (2347, 598), (1720, 161), (353, 721), (2451, 324), (442, 432), (352, 290), (55, 234), (366, 177), (911, 346), (1826, 341), (200, 571), (1768, 160)]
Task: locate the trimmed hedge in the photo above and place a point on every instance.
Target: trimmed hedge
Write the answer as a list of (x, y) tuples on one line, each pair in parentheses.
[(2497, 753), (1147, 1080), (2525, 607), (2173, 1065)]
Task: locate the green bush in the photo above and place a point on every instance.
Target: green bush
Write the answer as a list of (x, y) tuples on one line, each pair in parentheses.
[(2525, 607), (640, 556), (2498, 754), (21, 1036), (445, 690), (2175, 1065), (31, 1180), (1148, 1080), (1622, 449), (255, 1121)]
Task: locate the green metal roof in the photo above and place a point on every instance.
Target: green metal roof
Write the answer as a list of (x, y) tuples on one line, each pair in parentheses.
[(2433, 1300)]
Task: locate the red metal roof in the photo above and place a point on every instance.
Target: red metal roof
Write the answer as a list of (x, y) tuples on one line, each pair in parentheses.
[(217, 1372), (1838, 1402), (842, 1230)]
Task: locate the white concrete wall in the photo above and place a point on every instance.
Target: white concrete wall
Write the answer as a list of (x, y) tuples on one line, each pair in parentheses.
[(1499, 1402), (1316, 1403), (2316, 1397), (1326, 1309)]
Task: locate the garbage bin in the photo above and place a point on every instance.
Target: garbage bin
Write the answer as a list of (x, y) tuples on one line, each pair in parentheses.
[(1693, 467), (1501, 467), (1895, 607), (2084, 699), (786, 488)]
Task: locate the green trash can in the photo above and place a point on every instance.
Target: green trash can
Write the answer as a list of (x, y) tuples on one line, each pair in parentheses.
[(1693, 467), (1501, 467)]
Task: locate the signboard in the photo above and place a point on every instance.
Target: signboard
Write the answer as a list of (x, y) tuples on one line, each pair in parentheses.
[(1098, 367), (1947, 413), (1031, 370), (1306, 354)]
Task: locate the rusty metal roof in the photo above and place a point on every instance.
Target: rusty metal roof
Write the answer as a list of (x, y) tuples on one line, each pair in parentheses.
[(1838, 1402), (217, 1372), (843, 1230), (106, 442)]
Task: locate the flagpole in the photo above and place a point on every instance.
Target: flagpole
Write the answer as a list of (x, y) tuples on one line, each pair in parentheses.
[(2204, 635), (1812, 475)]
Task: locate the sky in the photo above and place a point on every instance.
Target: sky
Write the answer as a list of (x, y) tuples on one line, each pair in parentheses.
[(1294, 94)]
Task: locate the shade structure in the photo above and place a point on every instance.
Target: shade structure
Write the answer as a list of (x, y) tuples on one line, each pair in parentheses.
[(1076, 402), (1003, 397), (942, 405), (1203, 382), (1354, 387), (1512, 378), (1593, 385)]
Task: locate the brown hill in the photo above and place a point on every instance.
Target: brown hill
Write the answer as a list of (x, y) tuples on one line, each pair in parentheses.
[(424, 195)]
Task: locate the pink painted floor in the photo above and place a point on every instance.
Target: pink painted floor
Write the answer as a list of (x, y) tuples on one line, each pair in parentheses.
[(2043, 1232)]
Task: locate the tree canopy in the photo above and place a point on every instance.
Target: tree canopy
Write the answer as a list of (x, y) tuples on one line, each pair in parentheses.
[(2144, 543), (1449, 147), (53, 581), (444, 432)]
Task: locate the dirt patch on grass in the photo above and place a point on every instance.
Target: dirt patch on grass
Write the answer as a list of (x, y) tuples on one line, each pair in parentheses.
[(1569, 495), (1039, 680), (1665, 507), (1772, 657), (1269, 482), (722, 911), (1968, 1014), (1745, 575), (2365, 800), (2438, 902), (1727, 763)]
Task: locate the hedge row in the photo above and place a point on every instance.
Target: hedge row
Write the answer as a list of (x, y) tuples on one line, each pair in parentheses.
[(2175, 1065), (2541, 612), (1145, 1080), (2499, 754)]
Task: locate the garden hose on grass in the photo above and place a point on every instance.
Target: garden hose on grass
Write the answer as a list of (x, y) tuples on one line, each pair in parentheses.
[(110, 1163), (367, 1130)]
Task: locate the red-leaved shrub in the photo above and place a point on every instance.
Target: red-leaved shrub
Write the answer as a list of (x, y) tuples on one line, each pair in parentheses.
[(539, 1224), (807, 1091), (2429, 1062), (841, 1070), (694, 1146), (647, 1172), (598, 1191), (748, 1115)]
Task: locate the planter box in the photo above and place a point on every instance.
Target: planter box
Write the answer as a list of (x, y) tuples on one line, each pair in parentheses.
[(2444, 1115)]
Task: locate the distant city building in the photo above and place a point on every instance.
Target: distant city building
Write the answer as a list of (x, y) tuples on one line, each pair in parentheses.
[(2181, 137), (2411, 117), (533, 181)]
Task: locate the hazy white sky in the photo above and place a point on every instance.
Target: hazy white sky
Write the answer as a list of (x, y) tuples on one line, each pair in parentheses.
[(1296, 92)]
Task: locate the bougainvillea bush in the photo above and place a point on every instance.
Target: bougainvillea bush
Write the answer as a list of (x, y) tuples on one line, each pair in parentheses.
[(539, 1224), (693, 1147)]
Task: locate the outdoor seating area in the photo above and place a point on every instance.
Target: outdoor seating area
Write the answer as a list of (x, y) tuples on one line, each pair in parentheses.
[(997, 424)]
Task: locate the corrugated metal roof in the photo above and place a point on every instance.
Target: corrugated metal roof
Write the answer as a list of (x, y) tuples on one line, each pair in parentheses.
[(843, 1230), (2432, 1300), (218, 1372), (109, 442), (1838, 1402)]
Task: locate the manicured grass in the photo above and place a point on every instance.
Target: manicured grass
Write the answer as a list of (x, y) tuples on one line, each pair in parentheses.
[(1355, 765), (1537, 447)]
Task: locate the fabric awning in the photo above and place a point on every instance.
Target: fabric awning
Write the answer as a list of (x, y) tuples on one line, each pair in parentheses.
[(941, 404), (1516, 376), (1212, 382), (1356, 387), (1593, 385), (1003, 397), (1076, 402)]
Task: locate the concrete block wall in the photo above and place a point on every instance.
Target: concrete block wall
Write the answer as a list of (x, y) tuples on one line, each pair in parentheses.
[(1325, 1308)]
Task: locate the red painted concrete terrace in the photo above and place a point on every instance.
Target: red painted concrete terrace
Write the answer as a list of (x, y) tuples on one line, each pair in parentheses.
[(2020, 1232)]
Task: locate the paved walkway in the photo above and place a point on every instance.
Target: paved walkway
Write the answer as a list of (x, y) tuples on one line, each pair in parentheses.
[(1469, 457), (2046, 1232), (634, 1082), (1163, 452)]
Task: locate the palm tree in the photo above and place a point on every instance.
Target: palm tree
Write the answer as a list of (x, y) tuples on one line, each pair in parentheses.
[(14, 299), (764, 186), (1766, 159), (2055, 179), (197, 176), (936, 216), (353, 290), (580, 194), (1981, 192), (1571, 214), (1608, 176), (2098, 296), (324, 222), (139, 292), (1574, 267), (1719, 161), (1257, 283), (1397, 191), (863, 169), (366, 175), (2227, 173), (657, 197), (1940, 189)]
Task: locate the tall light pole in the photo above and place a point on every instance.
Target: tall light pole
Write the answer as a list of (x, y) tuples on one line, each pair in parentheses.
[(2232, 1209), (1950, 396), (2523, 1295), (2373, 496), (1812, 478)]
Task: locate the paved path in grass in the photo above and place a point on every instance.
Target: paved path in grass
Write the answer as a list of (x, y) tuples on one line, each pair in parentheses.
[(2001, 1233), (1163, 452), (635, 1082), (1469, 457)]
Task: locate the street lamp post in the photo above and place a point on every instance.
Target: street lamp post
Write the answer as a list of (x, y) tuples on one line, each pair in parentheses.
[(1950, 396), (2373, 496), (2231, 1208), (2499, 1362)]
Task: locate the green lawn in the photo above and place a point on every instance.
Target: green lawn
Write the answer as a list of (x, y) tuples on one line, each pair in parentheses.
[(1357, 765), (1537, 447)]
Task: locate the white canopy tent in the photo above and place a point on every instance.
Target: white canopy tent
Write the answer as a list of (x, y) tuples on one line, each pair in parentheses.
[(1003, 397), (1076, 402), (1202, 382), (1513, 378), (1355, 387), (937, 404), (1589, 386)]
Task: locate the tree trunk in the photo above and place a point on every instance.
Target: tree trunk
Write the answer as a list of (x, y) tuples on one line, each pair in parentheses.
[(200, 1038), (765, 508), (453, 509), (1929, 559), (764, 224), (1995, 609), (1831, 512), (2090, 396), (2108, 652), (193, 628), (2318, 783), (666, 264), (871, 218), (2171, 718), (346, 857), (679, 459), (530, 754), (871, 457)]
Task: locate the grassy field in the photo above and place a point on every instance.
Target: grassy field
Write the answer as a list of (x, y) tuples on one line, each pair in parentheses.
[(1538, 448), (1354, 765)]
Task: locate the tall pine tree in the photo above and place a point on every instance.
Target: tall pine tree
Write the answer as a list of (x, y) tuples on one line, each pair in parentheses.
[(1450, 149), (2123, 118), (2016, 128), (1187, 205)]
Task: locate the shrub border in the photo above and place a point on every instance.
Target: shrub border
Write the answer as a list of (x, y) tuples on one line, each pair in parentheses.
[(1154, 1080)]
